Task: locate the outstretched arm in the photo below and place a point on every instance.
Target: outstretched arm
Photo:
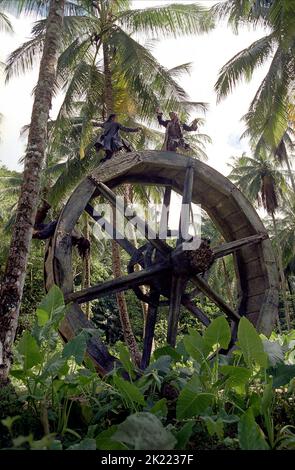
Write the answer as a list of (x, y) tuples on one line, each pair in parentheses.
[(161, 120), (96, 123), (128, 129), (193, 127)]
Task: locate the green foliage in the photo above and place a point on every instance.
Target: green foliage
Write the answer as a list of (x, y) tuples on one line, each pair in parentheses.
[(187, 394), (251, 344), (250, 434), (144, 431)]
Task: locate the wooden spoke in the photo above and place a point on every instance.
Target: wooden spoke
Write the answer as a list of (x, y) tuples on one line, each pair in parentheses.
[(177, 288), (163, 230), (196, 311), (186, 203), (227, 248), (140, 224), (150, 328), (119, 284), (105, 225), (216, 298)]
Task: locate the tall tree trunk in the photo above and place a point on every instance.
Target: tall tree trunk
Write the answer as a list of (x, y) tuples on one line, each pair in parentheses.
[(116, 258), (281, 272), (108, 86), (86, 277), (227, 283), (13, 280)]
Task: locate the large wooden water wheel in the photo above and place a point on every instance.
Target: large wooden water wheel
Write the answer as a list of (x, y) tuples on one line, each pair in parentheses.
[(174, 276)]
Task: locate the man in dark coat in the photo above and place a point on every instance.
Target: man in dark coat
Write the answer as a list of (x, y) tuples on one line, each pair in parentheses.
[(174, 136), (110, 140)]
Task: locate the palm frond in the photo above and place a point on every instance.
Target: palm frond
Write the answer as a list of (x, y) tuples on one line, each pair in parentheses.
[(168, 20), (38, 7), (268, 112), (25, 57), (242, 65), (5, 24)]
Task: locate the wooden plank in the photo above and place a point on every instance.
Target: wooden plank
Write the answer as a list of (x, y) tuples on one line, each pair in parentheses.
[(141, 225), (176, 292), (119, 284), (258, 285), (215, 297), (150, 328), (268, 312), (230, 247), (141, 179), (254, 303), (248, 210), (109, 228), (226, 207), (243, 232), (164, 220), (185, 206), (196, 311)]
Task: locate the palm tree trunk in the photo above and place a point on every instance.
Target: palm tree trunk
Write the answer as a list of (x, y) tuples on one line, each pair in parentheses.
[(123, 311), (14, 277), (87, 267), (281, 272), (108, 86), (227, 283), (116, 258)]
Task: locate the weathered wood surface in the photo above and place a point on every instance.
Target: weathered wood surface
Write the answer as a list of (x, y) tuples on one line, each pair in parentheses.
[(229, 210), (119, 284), (177, 288), (227, 248), (150, 328)]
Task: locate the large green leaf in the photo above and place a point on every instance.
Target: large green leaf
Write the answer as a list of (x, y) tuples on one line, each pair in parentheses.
[(196, 346), (184, 434), (29, 350), (144, 431), (251, 344), (104, 440), (251, 436), (125, 360), (53, 300), (282, 374), (274, 351), (214, 426), (160, 408), (55, 365), (162, 364), (76, 347), (42, 316), (191, 402), (237, 377), (218, 333), (129, 391), (167, 351)]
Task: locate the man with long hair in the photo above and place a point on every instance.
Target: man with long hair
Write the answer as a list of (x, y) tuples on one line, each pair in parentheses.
[(174, 135), (110, 140)]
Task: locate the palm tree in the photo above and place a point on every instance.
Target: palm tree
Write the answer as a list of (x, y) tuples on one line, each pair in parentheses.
[(13, 280), (100, 39), (264, 184), (268, 113), (114, 69)]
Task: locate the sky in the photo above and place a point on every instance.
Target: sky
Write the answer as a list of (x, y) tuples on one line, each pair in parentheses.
[(207, 53)]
